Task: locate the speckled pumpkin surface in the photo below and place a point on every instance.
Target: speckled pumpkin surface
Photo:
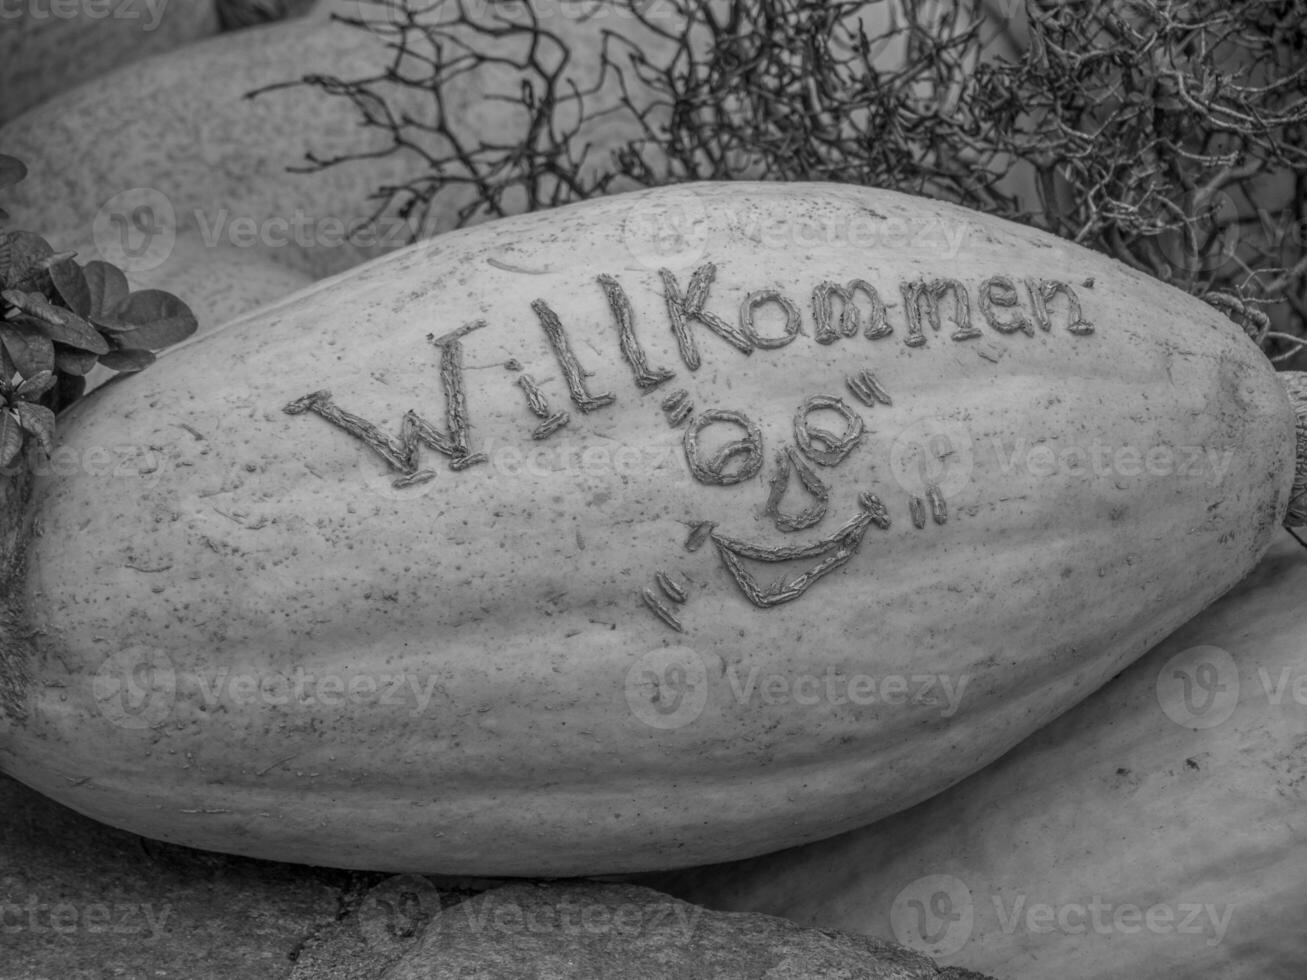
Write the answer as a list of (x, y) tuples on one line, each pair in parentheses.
[(663, 529), (49, 47), (1153, 831)]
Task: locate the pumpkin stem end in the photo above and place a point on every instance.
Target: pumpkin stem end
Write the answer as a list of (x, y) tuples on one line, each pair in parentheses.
[(15, 529), (1295, 386)]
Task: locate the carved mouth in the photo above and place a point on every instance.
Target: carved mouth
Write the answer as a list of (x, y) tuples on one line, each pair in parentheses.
[(830, 553)]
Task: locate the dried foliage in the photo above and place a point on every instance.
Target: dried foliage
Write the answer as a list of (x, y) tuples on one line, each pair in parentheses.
[(59, 319), (1168, 134), (1172, 136)]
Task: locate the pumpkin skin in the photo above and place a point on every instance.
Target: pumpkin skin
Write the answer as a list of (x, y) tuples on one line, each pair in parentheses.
[(177, 131), (218, 281), (1134, 797), (46, 51), (585, 714)]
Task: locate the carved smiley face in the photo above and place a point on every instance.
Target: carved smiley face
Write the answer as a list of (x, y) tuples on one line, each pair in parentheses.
[(929, 459), (819, 470), (800, 469)]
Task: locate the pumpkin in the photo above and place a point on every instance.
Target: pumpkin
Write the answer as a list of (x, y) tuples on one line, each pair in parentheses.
[(46, 48), (172, 144), (175, 134), (1153, 831), (220, 281), (665, 528)]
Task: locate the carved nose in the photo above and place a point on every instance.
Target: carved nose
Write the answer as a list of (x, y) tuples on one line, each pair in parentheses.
[(789, 461)]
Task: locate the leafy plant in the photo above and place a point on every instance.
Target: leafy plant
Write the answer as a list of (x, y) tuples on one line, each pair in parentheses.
[(58, 320), (1168, 134)]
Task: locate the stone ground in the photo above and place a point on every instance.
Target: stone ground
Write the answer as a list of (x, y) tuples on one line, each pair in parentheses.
[(83, 901), (79, 900)]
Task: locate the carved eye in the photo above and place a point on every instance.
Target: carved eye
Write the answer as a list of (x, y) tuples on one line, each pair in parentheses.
[(819, 444), (733, 461)]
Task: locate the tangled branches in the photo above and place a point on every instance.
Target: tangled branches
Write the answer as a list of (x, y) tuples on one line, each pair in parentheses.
[(1168, 134), (534, 105), (1171, 135)]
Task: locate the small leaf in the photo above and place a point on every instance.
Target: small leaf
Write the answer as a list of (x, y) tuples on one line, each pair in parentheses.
[(76, 332), (157, 319), (68, 360), (70, 283), (107, 285), (21, 254), (7, 370), (12, 170), (110, 325), (34, 387), (38, 420), (19, 298), (30, 350), (11, 437), (63, 326), (127, 360)]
